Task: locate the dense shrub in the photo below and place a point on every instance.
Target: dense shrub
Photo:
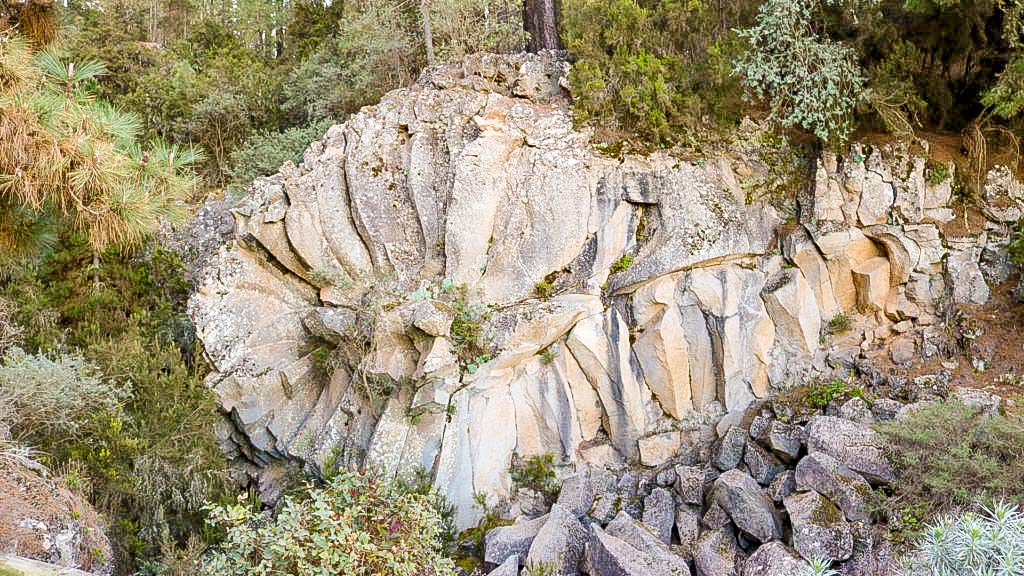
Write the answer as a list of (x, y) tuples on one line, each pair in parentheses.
[(54, 400), (948, 454), (989, 542), (356, 526), (264, 152), (150, 459), (808, 81), (657, 69)]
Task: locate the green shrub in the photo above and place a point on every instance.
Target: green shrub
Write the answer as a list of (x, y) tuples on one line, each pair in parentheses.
[(658, 70), (839, 324), (264, 152), (621, 264), (53, 401), (988, 542), (544, 289), (937, 172), (356, 526), (948, 454), (1017, 244), (822, 394), (538, 474), (806, 80)]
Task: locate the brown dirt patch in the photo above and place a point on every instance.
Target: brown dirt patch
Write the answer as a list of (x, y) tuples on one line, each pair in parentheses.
[(28, 501)]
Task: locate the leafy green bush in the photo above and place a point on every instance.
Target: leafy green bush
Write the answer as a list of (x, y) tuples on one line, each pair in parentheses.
[(658, 69), (948, 454), (808, 81), (356, 526), (537, 473), (54, 400), (989, 542), (822, 394), (150, 458), (264, 152)]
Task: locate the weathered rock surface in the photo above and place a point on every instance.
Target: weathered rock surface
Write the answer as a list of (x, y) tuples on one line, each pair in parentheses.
[(559, 543), (410, 246), (748, 505), (504, 542), (855, 445), (819, 530), (845, 488), (608, 555), (774, 559)]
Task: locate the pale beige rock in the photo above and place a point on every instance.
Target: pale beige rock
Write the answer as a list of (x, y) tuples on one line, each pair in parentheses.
[(793, 309), (872, 281), (659, 448)]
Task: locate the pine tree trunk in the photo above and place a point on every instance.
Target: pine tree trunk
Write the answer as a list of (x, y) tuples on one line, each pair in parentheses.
[(428, 37), (541, 21)]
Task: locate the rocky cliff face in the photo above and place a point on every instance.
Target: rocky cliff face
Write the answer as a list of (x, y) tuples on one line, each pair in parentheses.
[(456, 277)]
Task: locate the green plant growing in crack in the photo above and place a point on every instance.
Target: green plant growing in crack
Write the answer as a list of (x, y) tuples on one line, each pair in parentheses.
[(621, 264)]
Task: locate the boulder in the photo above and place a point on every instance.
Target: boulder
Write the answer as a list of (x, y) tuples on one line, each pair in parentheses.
[(640, 537), (819, 530), (688, 528), (1002, 195), (857, 446), (659, 513), (783, 485), (761, 464), (857, 410), (608, 555), (718, 553), (785, 440), (774, 559), (503, 542), (559, 543), (690, 484), (659, 448), (577, 493), (825, 475), (727, 453), (747, 504), (510, 567)]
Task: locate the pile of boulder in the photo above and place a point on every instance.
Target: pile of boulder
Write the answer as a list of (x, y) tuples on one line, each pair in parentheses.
[(782, 487)]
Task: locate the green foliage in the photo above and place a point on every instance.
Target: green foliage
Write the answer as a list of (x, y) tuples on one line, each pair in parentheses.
[(621, 264), (537, 473), (839, 324), (806, 80), (990, 541), (264, 152), (823, 394), (937, 172), (656, 69), (150, 458), (467, 329), (1006, 97), (470, 554), (54, 400), (544, 289), (548, 356), (67, 153), (1016, 247), (461, 27), (355, 525), (949, 454), (373, 51)]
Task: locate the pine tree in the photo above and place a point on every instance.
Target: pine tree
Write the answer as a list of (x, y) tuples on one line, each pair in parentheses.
[(69, 157)]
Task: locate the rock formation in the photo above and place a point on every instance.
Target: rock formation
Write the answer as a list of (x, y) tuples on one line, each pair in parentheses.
[(456, 277)]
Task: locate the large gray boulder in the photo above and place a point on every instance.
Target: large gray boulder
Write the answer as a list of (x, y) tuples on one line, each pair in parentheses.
[(856, 445), (608, 555), (513, 540), (718, 553), (659, 513), (510, 567), (774, 559), (825, 475), (747, 504), (559, 543), (819, 529)]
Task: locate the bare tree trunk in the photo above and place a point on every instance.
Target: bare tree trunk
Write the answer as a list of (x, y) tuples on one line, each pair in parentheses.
[(540, 18), (428, 38)]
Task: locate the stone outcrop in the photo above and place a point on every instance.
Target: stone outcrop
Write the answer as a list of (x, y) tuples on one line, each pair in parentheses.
[(455, 278)]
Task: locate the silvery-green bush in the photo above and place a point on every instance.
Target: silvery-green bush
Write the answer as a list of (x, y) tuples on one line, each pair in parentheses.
[(356, 526), (806, 79), (989, 542)]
